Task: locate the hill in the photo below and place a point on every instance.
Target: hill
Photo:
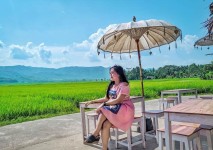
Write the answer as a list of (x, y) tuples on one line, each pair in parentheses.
[(24, 74)]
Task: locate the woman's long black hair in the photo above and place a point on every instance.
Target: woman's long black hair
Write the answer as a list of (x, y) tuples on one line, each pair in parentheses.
[(120, 71)]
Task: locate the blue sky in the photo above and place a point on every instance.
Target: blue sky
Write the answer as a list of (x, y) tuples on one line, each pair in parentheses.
[(59, 33)]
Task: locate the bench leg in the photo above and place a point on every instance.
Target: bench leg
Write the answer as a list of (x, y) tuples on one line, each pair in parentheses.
[(187, 144), (209, 141), (181, 145), (160, 140), (173, 145), (88, 126), (116, 138), (198, 142), (129, 138)]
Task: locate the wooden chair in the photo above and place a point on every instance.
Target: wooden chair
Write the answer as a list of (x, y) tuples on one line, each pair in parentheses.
[(128, 141), (183, 134)]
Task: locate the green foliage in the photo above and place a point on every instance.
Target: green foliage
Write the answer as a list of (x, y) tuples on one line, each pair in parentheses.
[(171, 71), (20, 103)]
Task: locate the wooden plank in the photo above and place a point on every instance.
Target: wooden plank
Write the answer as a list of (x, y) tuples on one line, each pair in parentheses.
[(202, 107), (182, 130), (134, 99), (193, 118)]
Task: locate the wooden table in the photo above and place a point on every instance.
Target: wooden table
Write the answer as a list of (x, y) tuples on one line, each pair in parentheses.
[(95, 105), (193, 111), (178, 92)]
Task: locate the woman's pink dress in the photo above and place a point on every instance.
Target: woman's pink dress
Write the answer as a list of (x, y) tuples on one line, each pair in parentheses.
[(125, 116)]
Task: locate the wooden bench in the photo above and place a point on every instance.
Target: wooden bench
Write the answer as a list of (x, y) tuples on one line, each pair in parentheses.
[(183, 134)]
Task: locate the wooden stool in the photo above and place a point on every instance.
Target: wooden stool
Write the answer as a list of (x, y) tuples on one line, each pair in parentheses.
[(154, 114), (91, 116), (208, 132), (183, 134), (169, 100), (128, 142)]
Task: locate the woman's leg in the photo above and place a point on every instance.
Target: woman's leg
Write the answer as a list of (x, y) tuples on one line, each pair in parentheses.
[(101, 119), (105, 133)]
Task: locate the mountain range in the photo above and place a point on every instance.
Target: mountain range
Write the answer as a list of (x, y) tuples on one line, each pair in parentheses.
[(25, 74)]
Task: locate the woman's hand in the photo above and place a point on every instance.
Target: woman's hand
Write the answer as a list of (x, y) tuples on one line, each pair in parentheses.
[(98, 110), (89, 102)]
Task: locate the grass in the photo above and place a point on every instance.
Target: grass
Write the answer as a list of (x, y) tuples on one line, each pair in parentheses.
[(20, 103)]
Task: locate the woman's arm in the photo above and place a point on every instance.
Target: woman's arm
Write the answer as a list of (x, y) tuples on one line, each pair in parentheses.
[(101, 100), (119, 99)]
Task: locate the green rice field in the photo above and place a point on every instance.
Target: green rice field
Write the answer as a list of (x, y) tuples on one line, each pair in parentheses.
[(26, 102)]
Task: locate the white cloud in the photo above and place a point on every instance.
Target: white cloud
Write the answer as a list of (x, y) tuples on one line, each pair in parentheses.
[(19, 52), (1, 44), (45, 55), (85, 54), (90, 45), (85, 44), (29, 45), (188, 43)]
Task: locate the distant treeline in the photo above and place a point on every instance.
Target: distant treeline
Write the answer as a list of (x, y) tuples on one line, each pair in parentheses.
[(172, 71)]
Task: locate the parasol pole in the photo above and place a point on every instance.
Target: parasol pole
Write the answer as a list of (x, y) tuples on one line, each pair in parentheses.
[(142, 90), (139, 59)]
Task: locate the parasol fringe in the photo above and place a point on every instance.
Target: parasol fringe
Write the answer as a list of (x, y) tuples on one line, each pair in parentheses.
[(175, 44), (114, 37), (98, 47), (98, 52), (164, 31), (129, 53), (104, 55), (169, 47), (103, 41)]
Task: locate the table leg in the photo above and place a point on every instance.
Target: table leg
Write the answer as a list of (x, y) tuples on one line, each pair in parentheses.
[(156, 128), (160, 102), (195, 93), (168, 135), (83, 122), (179, 98)]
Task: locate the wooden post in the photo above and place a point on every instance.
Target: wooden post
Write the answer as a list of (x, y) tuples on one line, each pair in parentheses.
[(83, 122), (142, 90)]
